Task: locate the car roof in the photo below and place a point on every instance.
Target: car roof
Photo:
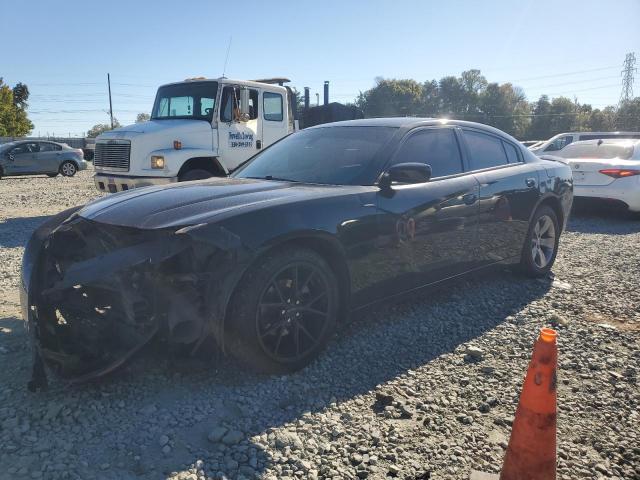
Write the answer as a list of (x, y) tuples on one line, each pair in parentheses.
[(624, 142), (412, 122)]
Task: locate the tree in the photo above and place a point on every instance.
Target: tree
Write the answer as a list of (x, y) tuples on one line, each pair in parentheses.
[(628, 115), (540, 128), (430, 99), (562, 117), (453, 98), (101, 128), (391, 98), (13, 115), (20, 95), (602, 120), (143, 117)]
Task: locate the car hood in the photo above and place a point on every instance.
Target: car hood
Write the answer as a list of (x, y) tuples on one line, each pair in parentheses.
[(203, 201)]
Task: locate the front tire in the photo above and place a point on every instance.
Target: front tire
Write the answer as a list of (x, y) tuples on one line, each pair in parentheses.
[(195, 174), (68, 169), (283, 312), (541, 244)]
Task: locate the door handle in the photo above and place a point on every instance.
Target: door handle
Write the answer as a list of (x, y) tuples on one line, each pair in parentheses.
[(531, 182), (258, 144), (469, 198)]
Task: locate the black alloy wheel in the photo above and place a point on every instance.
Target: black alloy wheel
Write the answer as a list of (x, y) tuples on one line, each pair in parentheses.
[(293, 312), (284, 311)]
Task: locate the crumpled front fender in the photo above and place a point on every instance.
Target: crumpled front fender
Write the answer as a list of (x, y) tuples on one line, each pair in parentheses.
[(94, 294)]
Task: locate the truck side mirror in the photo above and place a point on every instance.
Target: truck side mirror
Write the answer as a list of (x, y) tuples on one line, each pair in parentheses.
[(244, 105)]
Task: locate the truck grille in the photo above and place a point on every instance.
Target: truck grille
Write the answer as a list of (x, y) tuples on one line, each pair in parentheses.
[(113, 155)]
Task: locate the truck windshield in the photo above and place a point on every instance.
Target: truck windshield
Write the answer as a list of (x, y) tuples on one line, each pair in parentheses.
[(328, 155), (192, 100)]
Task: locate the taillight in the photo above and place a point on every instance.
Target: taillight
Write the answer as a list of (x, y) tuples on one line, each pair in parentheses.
[(619, 172)]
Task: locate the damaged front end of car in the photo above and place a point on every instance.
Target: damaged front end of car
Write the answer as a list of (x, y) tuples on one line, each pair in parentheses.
[(94, 294)]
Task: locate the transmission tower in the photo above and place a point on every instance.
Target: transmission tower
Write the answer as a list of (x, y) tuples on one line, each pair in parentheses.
[(628, 71)]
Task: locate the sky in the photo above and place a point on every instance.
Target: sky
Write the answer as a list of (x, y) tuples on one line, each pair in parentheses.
[(64, 50)]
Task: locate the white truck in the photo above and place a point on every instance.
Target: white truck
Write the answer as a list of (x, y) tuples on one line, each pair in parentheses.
[(199, 128)]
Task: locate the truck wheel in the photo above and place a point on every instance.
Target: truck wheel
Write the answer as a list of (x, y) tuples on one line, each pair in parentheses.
[(195, 174), (68, 169), (283, 312)]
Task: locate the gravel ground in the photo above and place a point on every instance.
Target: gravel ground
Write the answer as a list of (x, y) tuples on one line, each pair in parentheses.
[(423, 388)]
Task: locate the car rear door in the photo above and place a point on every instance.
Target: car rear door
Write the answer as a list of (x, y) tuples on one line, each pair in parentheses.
[(509, 192), (49, 157), (428, 230)]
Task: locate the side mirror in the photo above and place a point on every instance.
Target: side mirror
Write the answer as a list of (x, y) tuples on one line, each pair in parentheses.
[(244, 105), (405, 173)]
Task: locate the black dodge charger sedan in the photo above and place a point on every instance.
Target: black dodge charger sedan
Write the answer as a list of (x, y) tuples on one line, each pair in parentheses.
[(266, 263)]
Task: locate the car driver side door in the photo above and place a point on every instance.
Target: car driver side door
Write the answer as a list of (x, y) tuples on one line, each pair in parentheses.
[(427, 230), (21, 158)]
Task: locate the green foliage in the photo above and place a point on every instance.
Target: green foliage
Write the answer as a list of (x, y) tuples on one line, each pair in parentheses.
[(391, 98), (628, 116), (102, 127), (13, 115), (143, 117), (471, 97)]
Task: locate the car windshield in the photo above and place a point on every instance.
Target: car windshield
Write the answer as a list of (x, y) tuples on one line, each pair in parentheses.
[(593, 150), (328, 155), (192, 100)]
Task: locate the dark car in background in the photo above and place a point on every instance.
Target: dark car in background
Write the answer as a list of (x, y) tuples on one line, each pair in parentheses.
[(269, 261), (33, 157)]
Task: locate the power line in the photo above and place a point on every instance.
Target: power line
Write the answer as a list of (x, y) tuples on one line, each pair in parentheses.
[(577, 72)]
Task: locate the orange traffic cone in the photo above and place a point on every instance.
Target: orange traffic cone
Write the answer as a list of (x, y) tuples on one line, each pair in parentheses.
[(531, 453)]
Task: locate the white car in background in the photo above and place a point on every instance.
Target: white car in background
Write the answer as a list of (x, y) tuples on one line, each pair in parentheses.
[(605, 169), (561, 140)]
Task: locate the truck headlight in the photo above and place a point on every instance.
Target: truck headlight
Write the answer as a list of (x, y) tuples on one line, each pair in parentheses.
[(157, 161)]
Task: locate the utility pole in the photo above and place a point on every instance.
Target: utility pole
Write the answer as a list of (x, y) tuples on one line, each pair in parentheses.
[(110, 105), (628, 71)]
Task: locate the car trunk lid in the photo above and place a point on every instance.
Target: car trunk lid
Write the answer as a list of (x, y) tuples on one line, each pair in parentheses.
[(586, 171)]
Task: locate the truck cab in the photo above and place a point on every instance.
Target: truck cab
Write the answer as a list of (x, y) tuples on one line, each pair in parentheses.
[(199, 128)]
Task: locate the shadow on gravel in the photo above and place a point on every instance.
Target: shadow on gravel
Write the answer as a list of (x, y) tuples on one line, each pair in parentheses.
[(228, 404), (601, 218), (15, 232)]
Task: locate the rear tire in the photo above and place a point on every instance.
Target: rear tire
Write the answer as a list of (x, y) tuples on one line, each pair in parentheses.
[(541, 243), (68, 169), (283, 312), (195, 174)]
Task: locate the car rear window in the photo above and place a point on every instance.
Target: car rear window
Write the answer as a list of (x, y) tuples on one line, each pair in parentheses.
[(486, 150), (593, 150)]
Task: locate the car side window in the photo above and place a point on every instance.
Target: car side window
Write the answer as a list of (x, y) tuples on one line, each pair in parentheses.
[(485, 151), (436, 147), (559, 143), (49, 147), (20, 149), (512, 153)]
